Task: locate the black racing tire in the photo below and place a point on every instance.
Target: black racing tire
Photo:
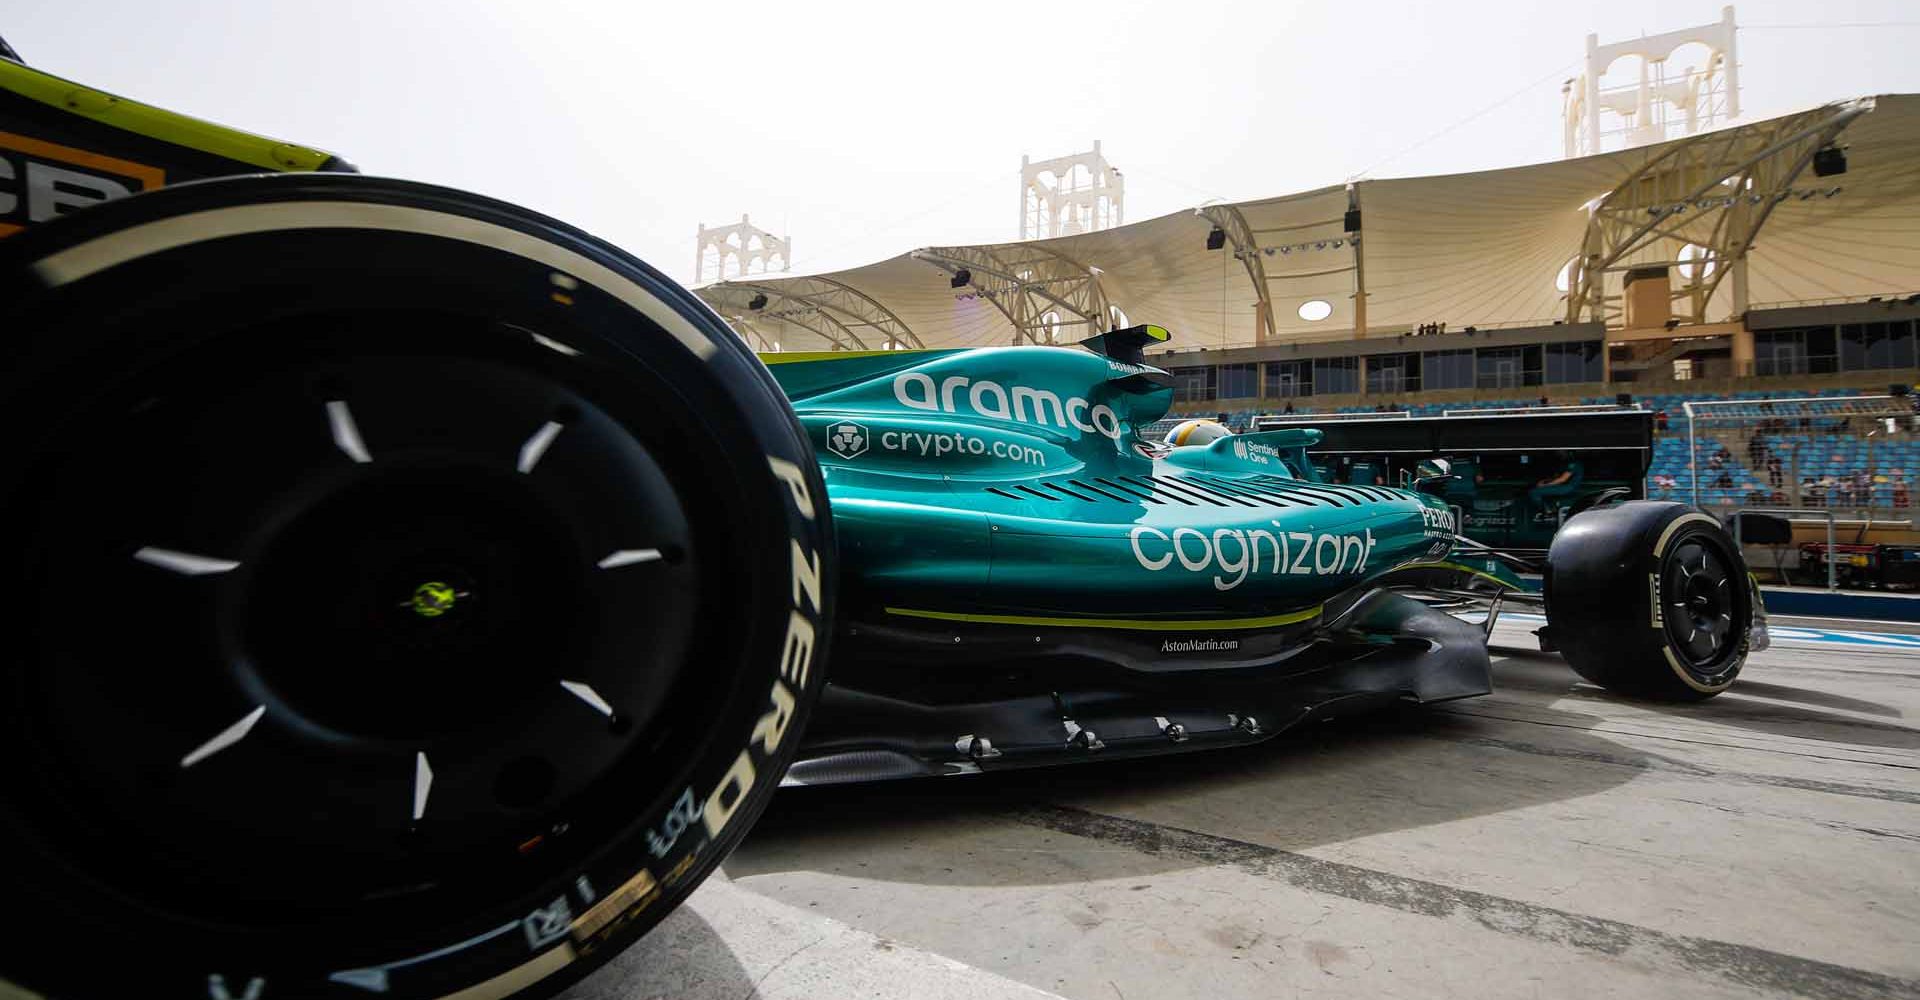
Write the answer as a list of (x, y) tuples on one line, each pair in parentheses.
[(1649, 598), (411, 595)]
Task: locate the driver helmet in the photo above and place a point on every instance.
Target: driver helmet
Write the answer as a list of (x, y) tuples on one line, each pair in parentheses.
[(1192, 432)]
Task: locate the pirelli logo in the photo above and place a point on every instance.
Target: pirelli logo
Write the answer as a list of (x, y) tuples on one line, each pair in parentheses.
[(42, 180)]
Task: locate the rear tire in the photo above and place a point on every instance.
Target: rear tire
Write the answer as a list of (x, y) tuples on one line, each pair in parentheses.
[(1649, 598), (412, 594)]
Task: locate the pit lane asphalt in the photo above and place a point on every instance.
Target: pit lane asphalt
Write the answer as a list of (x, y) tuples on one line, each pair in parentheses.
[(1549, 840)]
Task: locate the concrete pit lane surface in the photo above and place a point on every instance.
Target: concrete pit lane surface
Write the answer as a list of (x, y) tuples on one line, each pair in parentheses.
[(1550, 840)]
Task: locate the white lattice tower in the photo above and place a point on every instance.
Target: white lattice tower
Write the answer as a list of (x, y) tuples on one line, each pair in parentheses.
[(740, 249), (1664, 102), (1066, 195)]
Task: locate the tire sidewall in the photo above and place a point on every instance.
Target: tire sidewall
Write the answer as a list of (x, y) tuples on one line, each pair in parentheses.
[(1604, 606), (728, 771)]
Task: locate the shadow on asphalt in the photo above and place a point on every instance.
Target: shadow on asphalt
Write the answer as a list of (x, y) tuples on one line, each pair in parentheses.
[(681, 957), (1322, 784), (1756, 706)]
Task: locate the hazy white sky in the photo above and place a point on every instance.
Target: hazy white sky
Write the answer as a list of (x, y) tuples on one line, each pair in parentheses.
[(868, 129)]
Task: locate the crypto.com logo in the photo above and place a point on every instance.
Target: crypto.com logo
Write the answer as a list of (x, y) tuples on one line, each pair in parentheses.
[(847, 439)]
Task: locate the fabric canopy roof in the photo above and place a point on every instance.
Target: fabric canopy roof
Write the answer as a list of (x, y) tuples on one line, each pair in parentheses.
[(1482, 248)]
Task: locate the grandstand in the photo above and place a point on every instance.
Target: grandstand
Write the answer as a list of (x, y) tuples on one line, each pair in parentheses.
[(1773, 259)]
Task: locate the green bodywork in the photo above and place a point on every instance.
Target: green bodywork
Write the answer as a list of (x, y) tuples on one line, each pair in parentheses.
[(1011, 486)]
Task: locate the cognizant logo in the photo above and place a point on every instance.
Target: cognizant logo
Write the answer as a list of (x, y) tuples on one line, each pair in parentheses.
[(1236, 553), (991, 399), (936, 445)]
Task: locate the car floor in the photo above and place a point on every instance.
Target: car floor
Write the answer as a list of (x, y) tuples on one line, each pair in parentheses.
[(1549, 840)]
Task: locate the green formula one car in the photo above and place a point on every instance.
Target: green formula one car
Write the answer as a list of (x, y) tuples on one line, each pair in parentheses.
[(414, 596)]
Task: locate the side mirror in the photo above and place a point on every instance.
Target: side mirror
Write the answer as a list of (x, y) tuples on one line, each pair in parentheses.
[(1430, 473)]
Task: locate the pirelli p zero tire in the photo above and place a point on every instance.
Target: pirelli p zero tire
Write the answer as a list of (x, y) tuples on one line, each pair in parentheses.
[(408, 595), (1649, 598)]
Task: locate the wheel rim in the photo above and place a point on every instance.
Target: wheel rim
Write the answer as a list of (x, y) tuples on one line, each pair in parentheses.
[(403, 635), (1701, 596)]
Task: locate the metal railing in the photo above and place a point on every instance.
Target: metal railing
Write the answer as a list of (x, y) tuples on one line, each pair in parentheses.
[(1747, 417), (1275, 419), (1535, 411)]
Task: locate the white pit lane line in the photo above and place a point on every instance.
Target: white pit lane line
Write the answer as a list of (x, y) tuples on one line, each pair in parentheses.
[(1793, 635)]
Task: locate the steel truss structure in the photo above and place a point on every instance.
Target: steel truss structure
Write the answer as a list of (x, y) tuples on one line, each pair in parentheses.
[(1696, 208), (1246, 247), (1048, 297), (845, 317)]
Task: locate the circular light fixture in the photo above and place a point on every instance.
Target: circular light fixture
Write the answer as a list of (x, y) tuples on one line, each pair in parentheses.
[(1696, 258), (1564, 280), (1315, 310)]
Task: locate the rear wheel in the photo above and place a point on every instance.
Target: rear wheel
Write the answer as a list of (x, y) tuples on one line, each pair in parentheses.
[(413, 594), (1649, 598)]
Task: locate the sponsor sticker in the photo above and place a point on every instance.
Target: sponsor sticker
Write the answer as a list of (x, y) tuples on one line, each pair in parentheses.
[(935, 445), (1199, 645), (1254, 451), (851, 439), (1020, 404), (1233, 554), (1437, 523), (848, 439), (42, 180)]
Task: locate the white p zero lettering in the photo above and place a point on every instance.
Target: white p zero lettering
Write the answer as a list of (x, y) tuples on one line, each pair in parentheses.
[(1023, 404), (796, 659)]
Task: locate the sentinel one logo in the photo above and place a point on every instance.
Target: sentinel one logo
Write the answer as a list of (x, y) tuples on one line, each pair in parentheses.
[(1236, 553), (991, 399), (1254, 451), (847, 439)]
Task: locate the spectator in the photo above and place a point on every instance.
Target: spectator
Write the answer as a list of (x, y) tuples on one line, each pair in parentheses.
[(1543, 401), (1756, 450), (1715, 461), (1660, 421), (1725, 482), (1812, 494), (1289, 408), (1902, 496), (1775, 474), (1723, 455)]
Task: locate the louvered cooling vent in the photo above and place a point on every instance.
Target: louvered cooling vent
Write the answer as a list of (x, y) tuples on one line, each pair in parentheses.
[(1196, 491)]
